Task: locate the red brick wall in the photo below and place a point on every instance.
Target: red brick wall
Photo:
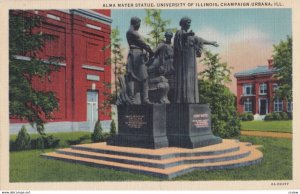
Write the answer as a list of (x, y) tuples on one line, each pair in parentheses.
[(256, 81), (79, 45)]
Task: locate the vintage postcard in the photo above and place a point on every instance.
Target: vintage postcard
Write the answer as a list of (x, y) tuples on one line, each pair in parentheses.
[(149, 95)]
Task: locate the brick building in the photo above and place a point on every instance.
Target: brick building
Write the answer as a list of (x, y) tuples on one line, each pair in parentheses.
[(80, 38), (255, 91)]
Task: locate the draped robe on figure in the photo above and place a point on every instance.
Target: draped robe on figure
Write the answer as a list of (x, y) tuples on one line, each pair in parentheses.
[(186, 49)]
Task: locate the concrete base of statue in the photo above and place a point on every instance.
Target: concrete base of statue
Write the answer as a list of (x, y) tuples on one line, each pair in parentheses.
[(142, 126)]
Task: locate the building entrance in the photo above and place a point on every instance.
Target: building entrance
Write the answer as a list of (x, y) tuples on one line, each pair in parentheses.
[(263, 107)]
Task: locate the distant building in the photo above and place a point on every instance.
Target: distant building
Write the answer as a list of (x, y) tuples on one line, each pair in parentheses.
[(81, 36), (256, 89)]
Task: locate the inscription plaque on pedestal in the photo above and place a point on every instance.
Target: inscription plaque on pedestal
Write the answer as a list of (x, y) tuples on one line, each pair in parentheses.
[(189, 126), (135, 121), (141, 126)]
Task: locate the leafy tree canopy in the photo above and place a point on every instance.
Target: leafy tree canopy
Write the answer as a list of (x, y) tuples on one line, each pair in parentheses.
[(26, 39), (212, 91), (117, 60), (282, 55), (215, 71), (157, 25)]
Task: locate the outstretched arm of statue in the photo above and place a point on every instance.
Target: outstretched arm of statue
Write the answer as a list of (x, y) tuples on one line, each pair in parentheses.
[(213, 43)]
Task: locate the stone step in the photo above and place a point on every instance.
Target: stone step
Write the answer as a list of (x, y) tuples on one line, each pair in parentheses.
[(163, 153), (164, 163), (254, 157)]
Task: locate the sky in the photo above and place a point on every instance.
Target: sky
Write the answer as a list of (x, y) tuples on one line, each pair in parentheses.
[(245, 36)]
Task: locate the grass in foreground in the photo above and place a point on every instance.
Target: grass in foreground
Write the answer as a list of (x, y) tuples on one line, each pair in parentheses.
[(274, 126), (28, 166), (276, 164)]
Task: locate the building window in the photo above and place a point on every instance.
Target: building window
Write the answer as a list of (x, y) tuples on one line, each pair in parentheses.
[(248, 105), (92, 106), (289, 107), (247, 89), (275, 87), (278, 105), (263, 89)]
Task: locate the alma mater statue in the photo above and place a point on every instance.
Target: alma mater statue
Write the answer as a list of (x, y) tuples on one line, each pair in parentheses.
[(187, 47), (185, 123)]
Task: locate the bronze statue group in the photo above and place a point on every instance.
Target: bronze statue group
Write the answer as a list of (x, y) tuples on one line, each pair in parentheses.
[(165, 74)]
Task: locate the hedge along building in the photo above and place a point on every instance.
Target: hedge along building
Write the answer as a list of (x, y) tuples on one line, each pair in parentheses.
[(80, 36), (256, 92)]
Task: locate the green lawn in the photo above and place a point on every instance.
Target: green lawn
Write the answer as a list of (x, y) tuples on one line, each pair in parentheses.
[(276, 164), (274, 126), (28, 166)]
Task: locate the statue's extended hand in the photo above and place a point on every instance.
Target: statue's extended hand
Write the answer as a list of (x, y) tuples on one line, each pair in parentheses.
[(215, 44)]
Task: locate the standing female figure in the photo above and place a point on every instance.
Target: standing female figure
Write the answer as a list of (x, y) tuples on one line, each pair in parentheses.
[(187, 47)]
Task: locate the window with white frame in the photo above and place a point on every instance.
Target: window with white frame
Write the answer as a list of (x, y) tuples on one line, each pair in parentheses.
[(92, 106), (248, 105), (289, 107), (275, 87), (247, 89), (278, 105), (263, 88)]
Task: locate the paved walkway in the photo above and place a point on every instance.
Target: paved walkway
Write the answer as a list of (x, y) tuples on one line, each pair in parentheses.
[(267, 134)]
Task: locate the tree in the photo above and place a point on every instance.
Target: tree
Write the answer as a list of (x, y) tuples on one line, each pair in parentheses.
[(215, 71), (109, 98), (282, 55), (26, 39), (158, 26), (97, 135), (116, 59), (117, 56), (113, 129), (23, 141), (212, 91)]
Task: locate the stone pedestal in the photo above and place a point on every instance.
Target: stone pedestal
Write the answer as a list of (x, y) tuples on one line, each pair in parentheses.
[(141, 126), (189, 126)]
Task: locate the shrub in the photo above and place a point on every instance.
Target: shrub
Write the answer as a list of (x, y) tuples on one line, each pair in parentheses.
[(113, 129), (45, 142), (290, 115), (12, 145), (224, 119), (250, 117), (284, 116), (50, 141), (246, 117), (97, 135), (79, 140), (23, 141), (269, 117), (275, 116), (105, 136), (39, 143)]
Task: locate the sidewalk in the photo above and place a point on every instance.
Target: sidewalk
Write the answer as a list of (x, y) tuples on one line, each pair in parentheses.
[(267, 134)]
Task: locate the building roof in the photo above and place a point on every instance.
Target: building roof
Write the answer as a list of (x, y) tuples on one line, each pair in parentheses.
[(259, 70)]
